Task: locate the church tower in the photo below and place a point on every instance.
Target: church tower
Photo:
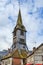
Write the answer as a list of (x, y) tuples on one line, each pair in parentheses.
[(19, 39)]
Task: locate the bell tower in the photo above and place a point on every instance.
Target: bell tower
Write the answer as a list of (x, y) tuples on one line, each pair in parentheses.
[(19, 38), (19, 33)]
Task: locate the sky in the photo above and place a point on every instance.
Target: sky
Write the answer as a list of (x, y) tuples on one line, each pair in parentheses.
[(32, 17)]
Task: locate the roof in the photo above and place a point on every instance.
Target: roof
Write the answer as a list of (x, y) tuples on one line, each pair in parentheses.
[(3, 53), (19, 54), (19, 24), (16, 54), (6, 56), (35, 50)]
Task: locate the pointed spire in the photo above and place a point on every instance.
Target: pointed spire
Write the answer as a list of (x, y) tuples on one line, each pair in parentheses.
[(19, 24), (19, 20)]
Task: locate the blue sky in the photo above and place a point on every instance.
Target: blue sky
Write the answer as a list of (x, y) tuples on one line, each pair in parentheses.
[(32, 16)]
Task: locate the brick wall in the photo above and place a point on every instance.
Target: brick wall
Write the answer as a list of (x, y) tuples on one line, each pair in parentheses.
[(16, 61)]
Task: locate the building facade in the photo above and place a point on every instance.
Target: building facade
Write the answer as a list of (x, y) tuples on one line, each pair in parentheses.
[(36, 58)]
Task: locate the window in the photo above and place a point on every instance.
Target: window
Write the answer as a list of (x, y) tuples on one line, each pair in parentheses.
[(22, 40), (22, 32)]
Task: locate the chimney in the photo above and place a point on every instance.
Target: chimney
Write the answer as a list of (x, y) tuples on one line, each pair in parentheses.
[(34, 48)]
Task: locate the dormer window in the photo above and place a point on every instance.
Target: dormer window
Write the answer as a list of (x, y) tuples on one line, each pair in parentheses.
[(22, 33)]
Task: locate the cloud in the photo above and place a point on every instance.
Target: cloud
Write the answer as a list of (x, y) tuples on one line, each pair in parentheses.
[(38, 3), (40, 33), (8, 2), (32, 17), (8, 18), (5, 37), (40, 12)]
